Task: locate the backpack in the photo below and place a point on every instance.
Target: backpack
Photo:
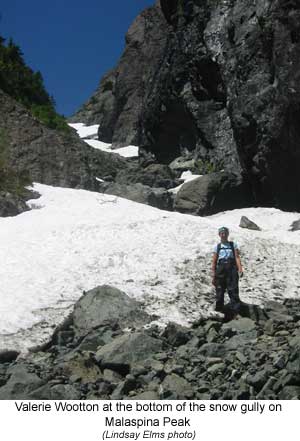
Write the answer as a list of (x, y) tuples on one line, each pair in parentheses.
[(231, 246)]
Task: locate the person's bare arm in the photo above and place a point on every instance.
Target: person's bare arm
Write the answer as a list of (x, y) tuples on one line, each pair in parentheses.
[(238, 261), (213, 268)]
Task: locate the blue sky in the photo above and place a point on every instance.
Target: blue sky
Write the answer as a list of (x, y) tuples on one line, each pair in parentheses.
[(72, 43)]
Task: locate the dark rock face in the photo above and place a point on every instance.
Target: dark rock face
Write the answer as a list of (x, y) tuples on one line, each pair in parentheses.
[(260, 67), (185, 109), (243, 57), (92, 356), (222, 87), (52, 157), (248, 53), (117, 103)]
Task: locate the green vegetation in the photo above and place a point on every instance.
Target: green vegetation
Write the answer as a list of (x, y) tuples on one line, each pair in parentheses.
[(26, 86), (11, 181), (108, 85), (205, 167)]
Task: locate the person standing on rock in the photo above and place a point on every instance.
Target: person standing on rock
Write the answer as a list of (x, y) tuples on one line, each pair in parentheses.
[(226, 270)]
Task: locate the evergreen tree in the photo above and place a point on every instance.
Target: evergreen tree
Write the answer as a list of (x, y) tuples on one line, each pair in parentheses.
[(26, 86)]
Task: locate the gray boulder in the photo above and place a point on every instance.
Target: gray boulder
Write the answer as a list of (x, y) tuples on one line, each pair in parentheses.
[(176, 387), (181, 164), (247, 223), (143, 194), (127, 350), (210, 194), (55, 392), (154, 175), (295, 226), (106, 304), (20, 383)]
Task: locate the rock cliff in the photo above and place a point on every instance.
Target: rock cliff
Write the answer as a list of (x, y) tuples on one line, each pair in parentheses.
[(117, 103), (49, 156), (216, 82)]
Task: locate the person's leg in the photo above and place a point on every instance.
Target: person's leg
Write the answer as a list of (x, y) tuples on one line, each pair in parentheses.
[(233, 289), (220, 289)]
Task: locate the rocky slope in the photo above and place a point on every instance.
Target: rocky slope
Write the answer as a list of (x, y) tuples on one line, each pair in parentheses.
[(225, 93), (92, 356), (49, 156)]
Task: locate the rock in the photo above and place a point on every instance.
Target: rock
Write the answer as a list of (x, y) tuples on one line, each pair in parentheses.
[(81, 365), (52, 157), (7, 356), (290, 393), (143, 194), (241, 340), (103, 304), (240, 326), (258, 379), (111, 376), (95, 339), (182, 164), (185, 86), (11, 205), (278, 312), (175, 334), (176, 387), (295, 226), (117, 104), (56, 392), (212, 350), (247, 223), (127, 350), (210, 194), (147, 395), (154, 175), (243, 361), (20, 384), (123, 388)]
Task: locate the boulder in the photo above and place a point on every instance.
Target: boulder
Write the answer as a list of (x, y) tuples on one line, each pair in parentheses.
[(295, 226), (176, 387), (154, 175), (106, 304), (127, 350), (156, 197), (20, 383), (240, 326), (247, 223), (55, 392), (181, 164), (80, 365), (210, 194)]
